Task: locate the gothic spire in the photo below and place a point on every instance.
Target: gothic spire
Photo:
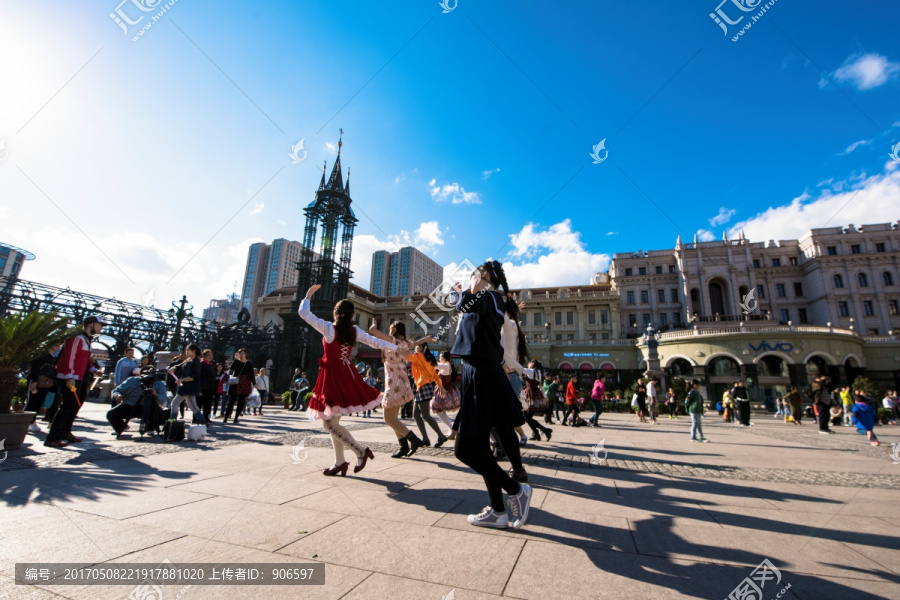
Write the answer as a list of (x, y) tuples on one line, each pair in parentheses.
[(322, 183), (335, 182), (347, 187)]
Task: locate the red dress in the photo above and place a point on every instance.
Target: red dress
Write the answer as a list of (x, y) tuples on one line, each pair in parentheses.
[(340, 389)]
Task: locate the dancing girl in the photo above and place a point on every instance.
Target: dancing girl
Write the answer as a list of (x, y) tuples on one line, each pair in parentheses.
[(487, 398), (340, 389), (425, 374), (446, 397), (397, 390)]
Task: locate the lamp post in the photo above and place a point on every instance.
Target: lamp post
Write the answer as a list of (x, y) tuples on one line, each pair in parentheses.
[(179, 313), (651, 337)]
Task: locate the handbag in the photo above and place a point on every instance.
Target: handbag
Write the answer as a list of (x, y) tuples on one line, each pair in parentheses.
[(634, 401), (173, 431)]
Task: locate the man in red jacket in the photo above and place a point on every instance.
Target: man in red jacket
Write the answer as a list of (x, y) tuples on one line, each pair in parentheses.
[(73, 370)]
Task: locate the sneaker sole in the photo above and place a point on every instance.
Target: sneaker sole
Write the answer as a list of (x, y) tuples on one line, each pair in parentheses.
[(490, 525)]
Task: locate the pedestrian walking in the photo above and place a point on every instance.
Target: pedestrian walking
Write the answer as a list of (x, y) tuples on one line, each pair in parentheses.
[(694, 407), (598, 393), (74, 374), (742, 402), (672, 404), (795, 401), (240, 384), (189, 385)]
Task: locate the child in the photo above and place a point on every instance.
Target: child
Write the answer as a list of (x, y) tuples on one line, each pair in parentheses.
[(864, 418)]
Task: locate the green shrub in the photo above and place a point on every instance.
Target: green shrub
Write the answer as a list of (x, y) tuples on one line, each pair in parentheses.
[(867, 386), (307, 398), (884, 414)]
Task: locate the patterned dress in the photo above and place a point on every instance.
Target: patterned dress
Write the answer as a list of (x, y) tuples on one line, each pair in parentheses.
[(446, 399), (396, 382)]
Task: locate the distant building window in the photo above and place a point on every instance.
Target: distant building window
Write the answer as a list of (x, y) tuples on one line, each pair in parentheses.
[(854, 249), (862, 280), (558, 318), (776, 262), (801, 315), (843, 309), (645, 297), (671, 268), (760, 291), (676, 318), (558, 337), (831, 250), (570, 318), (628, 272), (604, 336), (893, 308), (887, 279), (592, 317), (629, 297), (663, 321), (592, 336), (632, 320), (879, 247), (785, 315), (642, 271), (538, 319), (755, 263), (659, 270), (674, 293), (661, 296), (793, 261), (570, 336), (604, 317), (646, 318), (779, 290), (838, 281), (868, 310), (798, 290)]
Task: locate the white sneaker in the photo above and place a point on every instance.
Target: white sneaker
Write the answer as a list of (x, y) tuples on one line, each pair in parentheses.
[(519, 504), (490, 518), (34, 428)]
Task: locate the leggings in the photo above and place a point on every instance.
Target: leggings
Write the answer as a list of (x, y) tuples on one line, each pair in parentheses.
[(534, 425), (191, 402), (422, 414), (474, 450), (340, 437), (241, 402), (392, 420), (672, 406), (446, 420), (508, 439)]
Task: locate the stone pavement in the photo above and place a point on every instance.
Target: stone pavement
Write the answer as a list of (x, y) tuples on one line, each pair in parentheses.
[(659, 517)]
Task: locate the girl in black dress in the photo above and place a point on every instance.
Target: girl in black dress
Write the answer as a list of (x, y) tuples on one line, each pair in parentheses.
[(487, 398)]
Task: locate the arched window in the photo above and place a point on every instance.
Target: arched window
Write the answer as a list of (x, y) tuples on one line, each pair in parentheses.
[(723, 366), (838, 281), (887, 279), (816, 366), (772, 366), (681, 368), (862, 280)]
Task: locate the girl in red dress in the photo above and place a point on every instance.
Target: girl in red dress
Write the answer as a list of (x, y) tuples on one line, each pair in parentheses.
[(340, 389)]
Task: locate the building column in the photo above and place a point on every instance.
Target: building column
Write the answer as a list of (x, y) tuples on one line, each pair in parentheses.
[(748, 373)]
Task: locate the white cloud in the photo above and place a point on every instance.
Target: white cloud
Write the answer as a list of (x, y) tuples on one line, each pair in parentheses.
[(427, 237), (330, 148), (488, 173), (854, 146), (612, 233), (873, 200), (555, 256), (864, 71), (705, 235), (258, 207), (723, 217), (453, 192)]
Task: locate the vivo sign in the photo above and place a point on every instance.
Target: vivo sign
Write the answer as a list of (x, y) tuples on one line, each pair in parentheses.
[(767, 347)]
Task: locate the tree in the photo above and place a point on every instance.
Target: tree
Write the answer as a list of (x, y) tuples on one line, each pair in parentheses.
[(867, 386), (23, 338), (680, 387)]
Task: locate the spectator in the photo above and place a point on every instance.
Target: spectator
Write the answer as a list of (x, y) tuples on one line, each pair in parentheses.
[(822, 402), (694, 406), (125, 367), (208, 384), (742, 402), (598, 393), (672, 404), (299, 387), (42, 384), (795, 402), (262, 386), (847, 403)]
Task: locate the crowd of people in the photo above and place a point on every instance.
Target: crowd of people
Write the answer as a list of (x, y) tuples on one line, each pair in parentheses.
[(492, 393)]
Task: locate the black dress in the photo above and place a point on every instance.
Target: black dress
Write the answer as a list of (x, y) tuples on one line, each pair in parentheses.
[(487, 398)]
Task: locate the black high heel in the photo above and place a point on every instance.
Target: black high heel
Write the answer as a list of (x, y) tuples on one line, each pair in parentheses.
[(333, 471)]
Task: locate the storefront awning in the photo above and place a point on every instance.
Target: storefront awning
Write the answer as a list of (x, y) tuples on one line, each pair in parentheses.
[(565, 367), (607, 366), (586, 366)]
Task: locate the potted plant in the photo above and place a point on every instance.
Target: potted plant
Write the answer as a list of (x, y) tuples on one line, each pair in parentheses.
[(23, 338), (286, 399)]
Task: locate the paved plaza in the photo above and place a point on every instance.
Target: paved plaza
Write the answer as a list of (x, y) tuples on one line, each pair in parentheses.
[(660, 517)]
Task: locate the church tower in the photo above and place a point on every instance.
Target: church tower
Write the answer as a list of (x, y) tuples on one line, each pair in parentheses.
[(330, 219)]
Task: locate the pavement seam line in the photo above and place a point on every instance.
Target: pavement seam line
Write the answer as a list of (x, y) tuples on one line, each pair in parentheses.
[(515, 564)]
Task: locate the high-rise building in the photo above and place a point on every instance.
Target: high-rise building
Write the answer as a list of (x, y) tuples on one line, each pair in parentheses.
[(407, 272), (223, 311), (11, 260), (269, 267)]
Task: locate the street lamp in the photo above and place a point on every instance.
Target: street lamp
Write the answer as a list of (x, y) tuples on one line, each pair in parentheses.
[(179, 313)]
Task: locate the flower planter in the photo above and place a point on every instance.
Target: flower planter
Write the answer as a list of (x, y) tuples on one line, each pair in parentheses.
[(13, 428)]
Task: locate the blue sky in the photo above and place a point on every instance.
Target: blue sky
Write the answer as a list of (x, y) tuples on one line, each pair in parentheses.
[(468, 133)]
